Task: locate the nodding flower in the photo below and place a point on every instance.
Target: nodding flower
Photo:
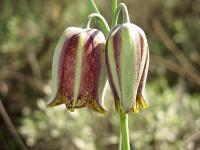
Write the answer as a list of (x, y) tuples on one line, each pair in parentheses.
[(78, 71), (127, 62)]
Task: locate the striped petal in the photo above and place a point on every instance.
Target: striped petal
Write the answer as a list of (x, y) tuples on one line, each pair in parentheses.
[(126, 61), (81, 74), (143, 61), (57, 66), (112, 66)]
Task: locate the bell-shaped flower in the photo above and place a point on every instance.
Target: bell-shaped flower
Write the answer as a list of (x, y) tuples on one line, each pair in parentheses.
[(78, 73), (127, 62)]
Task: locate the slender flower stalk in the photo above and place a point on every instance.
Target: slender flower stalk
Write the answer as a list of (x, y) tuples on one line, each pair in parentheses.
[(99, 17), (114, 8), (122, 7), (125, 143), (95, 9), (93, 6)]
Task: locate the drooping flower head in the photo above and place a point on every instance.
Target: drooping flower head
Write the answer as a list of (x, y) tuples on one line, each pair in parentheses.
[(78, 74), (127, 61)]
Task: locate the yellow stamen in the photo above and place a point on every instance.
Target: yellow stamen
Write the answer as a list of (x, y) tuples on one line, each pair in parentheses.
[(136, 107), (143, 103)]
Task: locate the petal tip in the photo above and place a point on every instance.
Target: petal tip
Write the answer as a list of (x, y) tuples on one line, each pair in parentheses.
[(54, 102)]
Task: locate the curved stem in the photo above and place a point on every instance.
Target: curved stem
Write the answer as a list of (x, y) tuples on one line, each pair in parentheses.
[(124, 131), (101, 18), (101, 24), (93, 6), (122, 7), (114, 8)]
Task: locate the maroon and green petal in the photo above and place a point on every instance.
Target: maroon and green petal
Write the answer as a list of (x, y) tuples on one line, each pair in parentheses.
[(82, 75), (57, 66), (126, 59)]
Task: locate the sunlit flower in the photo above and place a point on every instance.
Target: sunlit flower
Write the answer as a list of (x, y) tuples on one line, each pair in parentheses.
[(78, 74), (127, 61)]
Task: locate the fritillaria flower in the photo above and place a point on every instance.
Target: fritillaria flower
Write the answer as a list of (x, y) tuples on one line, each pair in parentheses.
[(78, 74), (80, 64), (127, 61)]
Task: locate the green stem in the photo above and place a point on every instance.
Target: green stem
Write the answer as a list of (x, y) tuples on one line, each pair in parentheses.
[(122, 7), (105, 26), (124, 131), (100, 23), (93, 6), (114, 8)]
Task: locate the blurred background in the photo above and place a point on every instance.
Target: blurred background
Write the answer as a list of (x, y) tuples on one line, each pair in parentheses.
[(29, 32)]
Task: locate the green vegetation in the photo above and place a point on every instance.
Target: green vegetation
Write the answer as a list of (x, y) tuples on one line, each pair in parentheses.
[(29, 31)]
